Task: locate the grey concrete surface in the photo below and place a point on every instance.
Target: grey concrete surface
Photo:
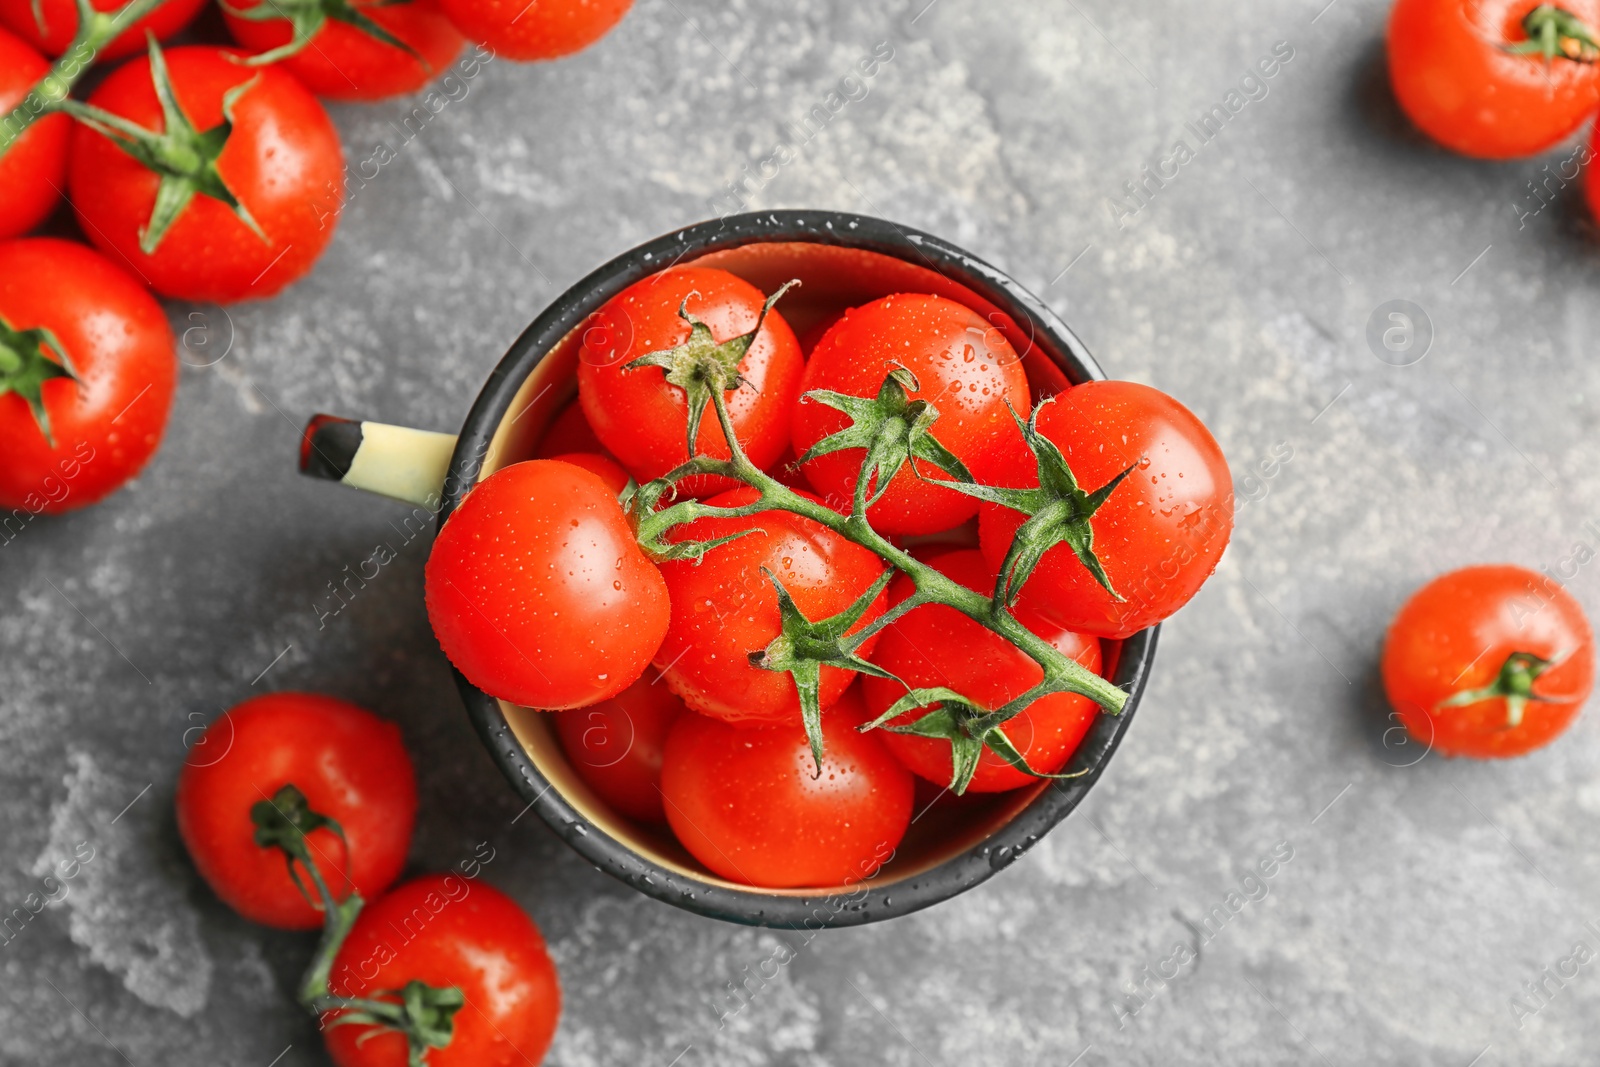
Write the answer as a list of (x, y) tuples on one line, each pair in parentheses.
[(1420, 896)]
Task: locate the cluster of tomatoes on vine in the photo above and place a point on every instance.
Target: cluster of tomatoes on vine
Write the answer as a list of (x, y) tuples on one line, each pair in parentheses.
[(768, 583), (1500, 79), (203, 173)]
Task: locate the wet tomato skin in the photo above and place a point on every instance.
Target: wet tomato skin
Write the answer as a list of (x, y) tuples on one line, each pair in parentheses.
[(1455, 633), (724, 608), (746, 801), (449, 930), (1160, 533), (518, 30), (34, 169), (936, 645), (616, 745), (538, 592), (61, 24), (350, 764), (1455, 79), (964, 367)]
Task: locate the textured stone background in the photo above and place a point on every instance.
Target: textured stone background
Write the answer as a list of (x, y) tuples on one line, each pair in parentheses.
[(1419, 898)]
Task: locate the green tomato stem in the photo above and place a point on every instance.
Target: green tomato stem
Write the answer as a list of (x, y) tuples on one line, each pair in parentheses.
[(96, 29)]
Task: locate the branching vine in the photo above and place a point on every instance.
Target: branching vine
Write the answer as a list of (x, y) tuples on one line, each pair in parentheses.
[(893, 431)]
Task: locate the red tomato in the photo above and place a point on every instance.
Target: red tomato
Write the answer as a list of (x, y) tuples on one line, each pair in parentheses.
[(352, 768), (602, 467), (346, 62), (938, 646), (1160, 533), (1456, 76), (59, 24), (535, 29), (641, 418), (569, 431), (538, 592), (449, 931), (107, 424), (33, 171), (747, 801), (282, 161), (616, 745), (1591, 178), (1488, 661), (966, 369), (724, 608)]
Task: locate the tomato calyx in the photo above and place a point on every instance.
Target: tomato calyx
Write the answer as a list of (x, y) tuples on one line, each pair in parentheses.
[(1059, 512), (968, 726), (1513, 684), (184, 157), (803, 647), (24, 368), (891, 428), (702, 366), (1556, 33), (425, 1014), (306, 19)]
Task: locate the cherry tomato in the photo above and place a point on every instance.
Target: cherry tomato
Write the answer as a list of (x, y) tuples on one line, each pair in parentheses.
[(603, 467), (449, 931), (350, 765), (641, 418), (1488, 661), (538, 592), (569, 431), (1158, 535), (545, 29), (56, 23), (616, 745), (33, 171), (1459, 75), (965, 368), (724, 608), (938, 646), (104, 426), (282, 161), (747, 801), (343, 61)]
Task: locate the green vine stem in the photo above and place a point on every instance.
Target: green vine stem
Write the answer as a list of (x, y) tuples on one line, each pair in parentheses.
[(96, 29), (424, 1014), (652, 524)]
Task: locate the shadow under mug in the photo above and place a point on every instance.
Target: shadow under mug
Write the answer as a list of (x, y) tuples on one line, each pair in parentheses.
[(842, 260)]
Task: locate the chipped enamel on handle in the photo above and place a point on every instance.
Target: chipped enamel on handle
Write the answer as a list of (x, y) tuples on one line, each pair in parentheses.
[(392, 461)]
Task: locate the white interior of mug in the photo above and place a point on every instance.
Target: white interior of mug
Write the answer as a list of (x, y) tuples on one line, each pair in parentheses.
[(832, 279)]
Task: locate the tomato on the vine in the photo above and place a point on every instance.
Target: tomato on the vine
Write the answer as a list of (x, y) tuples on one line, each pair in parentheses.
[(725, 607), (963, 366), (546, 29), (1496, 79), (934, 645), (642, 418), (538, 592), (1488, 661), (448, 932), (616, 745), (362, 50), (349, 766), (1160, 532), (236, 217), (748, 802), (33, 170), (69, 439), (50, 25)]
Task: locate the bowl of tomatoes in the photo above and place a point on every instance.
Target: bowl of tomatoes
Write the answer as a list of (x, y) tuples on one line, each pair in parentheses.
[(798, 681)]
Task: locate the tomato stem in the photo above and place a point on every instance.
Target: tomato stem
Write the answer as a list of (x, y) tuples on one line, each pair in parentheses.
[(1556, 33), (974, 724), (1513, 683), (96, 29)]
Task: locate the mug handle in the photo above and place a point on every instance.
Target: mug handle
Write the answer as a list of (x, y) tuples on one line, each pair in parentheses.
[(392, 461)]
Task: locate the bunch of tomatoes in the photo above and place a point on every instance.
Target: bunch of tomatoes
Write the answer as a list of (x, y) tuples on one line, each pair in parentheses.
[(201, 173), (1499, 79), (768, 583)]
